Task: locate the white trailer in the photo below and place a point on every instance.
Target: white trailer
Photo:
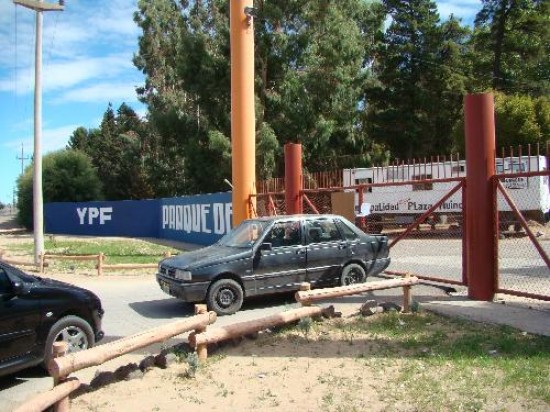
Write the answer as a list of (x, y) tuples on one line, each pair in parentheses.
[(401, 203)]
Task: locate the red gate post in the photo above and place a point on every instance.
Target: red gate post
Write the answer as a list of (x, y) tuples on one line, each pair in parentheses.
[(293, 178), (481, 252)]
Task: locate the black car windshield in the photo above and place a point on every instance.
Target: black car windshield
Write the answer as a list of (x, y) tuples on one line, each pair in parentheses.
[(244, 235)]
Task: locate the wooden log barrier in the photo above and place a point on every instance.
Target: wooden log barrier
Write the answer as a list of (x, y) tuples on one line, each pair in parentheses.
[(202, 350), (100, 354), (213, 335), (124, 266), (60, 349), (43, 401), (71, 257), (306, 297), (44, 264)]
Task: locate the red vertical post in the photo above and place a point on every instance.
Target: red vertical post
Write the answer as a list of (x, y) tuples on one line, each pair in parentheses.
[(293, 178), (481, 252)]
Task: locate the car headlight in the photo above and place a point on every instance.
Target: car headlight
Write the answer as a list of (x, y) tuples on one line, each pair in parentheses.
[(182, 274)]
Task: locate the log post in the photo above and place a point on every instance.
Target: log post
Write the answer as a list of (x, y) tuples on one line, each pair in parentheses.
[(407, 295), (305, 287), (202, 349), (60, 349), (100, 258)]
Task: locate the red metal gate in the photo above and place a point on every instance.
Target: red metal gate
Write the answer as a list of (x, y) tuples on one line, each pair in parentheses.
[(431, 243)]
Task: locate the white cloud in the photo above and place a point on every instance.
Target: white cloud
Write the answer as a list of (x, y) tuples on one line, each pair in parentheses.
[(107, 92), (51, 139), (86, 42)]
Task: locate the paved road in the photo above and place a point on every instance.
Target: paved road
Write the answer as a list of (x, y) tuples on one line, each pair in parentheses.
[(131, 305)]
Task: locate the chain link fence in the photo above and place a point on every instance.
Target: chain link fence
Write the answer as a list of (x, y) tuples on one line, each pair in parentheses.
[(524, 236)]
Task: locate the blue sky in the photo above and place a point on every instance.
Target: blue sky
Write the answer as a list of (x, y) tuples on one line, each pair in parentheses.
[(87, 63)]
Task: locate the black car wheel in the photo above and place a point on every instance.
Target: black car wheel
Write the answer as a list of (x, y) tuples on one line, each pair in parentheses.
[(71, 329), (225, 297), (353, 273)]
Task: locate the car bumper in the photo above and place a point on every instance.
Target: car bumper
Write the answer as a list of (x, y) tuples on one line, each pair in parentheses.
[(188, 292), (379, 265)]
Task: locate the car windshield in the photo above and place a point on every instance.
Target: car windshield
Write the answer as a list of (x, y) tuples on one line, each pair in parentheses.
[(244, 235)]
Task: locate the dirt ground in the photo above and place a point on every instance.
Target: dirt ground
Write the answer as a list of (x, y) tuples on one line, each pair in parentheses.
[(280, 374)]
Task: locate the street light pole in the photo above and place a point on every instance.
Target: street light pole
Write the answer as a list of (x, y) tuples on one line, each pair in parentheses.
[(38, 209)]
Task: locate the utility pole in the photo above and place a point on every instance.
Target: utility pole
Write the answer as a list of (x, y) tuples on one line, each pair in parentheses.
[(22, 158), (38, 6)]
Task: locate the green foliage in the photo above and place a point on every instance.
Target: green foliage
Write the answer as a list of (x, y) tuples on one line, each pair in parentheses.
[(67, 176), (511, 46), (516, 121), (118, 150), (421, 80), (519, 120), (192, 364)]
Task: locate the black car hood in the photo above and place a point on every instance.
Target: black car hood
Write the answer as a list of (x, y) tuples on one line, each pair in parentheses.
[(207, 256), (57, 286)]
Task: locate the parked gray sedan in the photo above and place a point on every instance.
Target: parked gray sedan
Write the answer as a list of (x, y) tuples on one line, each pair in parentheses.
[(271, 255)]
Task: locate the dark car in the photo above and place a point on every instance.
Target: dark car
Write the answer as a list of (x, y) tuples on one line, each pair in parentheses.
[(36, 312), (274, 254)]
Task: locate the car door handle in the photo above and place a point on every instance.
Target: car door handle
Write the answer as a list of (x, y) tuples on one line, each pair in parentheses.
[(342, 246), (301, 252)]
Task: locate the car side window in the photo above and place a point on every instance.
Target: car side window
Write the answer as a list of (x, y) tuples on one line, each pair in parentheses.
[(285, 234), (346, 231), (5, 283), (324, 230)]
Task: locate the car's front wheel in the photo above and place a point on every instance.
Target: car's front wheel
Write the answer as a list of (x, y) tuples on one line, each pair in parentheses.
[(75, 331), (225, 297), (353, 273)]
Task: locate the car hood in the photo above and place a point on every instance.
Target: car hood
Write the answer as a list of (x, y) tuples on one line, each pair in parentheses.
[(208, 256), (53, 286)]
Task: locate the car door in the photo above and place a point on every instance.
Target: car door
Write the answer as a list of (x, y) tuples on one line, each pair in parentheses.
[(327, 251), (282, 266), (19, 320)]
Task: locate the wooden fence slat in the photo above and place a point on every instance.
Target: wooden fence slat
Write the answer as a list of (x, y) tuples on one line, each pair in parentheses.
[(306, 297), (71, 257), (103, 353), (44, 400), (213, 335)]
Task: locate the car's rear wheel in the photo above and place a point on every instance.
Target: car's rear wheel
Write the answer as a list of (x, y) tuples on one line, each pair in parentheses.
[(75, 331), (225, 297), (353, 273)]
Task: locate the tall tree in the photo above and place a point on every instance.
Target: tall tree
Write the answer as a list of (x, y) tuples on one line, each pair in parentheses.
[(512, 46), (420, 80), (184, 54), (312, 74), (118, 149), (68, 175), (310, 67)]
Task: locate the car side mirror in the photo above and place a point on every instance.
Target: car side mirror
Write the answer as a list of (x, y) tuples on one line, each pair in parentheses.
[(18, 288)]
